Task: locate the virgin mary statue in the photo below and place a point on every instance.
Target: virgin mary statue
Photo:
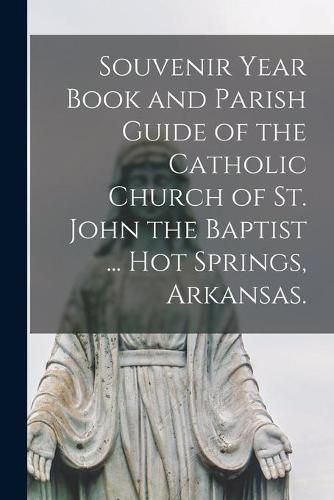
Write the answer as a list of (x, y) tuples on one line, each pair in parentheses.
[(150, 416)]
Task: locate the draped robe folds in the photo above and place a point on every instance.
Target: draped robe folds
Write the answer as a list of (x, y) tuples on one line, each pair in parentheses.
[(78, 398)]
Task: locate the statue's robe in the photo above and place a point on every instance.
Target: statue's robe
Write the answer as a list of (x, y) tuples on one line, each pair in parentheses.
[(78, 398)]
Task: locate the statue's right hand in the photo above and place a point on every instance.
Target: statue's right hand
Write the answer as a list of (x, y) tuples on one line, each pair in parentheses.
[(41, 448)]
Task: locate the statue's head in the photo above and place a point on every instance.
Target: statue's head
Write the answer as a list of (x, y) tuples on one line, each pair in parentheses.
[(145, 165)]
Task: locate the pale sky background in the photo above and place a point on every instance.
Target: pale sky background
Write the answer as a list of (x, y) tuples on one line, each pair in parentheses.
[(295, 372), (181, 17)]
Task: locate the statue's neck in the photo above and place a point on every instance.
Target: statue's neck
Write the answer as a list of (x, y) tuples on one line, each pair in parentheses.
[(146, 241)]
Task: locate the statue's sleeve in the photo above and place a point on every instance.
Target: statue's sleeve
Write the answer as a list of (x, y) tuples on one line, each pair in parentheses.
[(77, 393), (227, 406)]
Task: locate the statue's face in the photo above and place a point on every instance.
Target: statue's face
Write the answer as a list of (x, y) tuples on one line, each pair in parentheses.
[(155, 176)]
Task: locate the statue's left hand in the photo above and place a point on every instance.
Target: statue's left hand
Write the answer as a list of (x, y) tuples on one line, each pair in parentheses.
[(271, 447)]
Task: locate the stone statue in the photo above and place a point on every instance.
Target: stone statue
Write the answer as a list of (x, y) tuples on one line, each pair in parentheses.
[(149, 416)]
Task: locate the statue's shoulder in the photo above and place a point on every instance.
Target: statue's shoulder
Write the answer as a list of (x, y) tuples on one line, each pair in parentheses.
[(98, 272)]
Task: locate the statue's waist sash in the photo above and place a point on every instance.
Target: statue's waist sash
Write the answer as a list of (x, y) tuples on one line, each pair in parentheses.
[(152, 357)]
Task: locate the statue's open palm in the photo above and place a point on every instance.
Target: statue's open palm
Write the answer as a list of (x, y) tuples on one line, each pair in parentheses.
[(271, 447), (41, 448)]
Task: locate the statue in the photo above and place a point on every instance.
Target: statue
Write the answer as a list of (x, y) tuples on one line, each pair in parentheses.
[(148, 416)]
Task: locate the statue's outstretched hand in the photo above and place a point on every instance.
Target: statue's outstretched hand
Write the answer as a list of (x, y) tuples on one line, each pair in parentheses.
[(41, 448), (271, 447)]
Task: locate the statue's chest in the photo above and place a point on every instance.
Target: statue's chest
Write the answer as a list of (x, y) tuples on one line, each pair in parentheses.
[(134, 302)]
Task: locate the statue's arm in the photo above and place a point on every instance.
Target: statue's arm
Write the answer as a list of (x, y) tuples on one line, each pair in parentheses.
[(238, 391), (240, 394), (59, 388)]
